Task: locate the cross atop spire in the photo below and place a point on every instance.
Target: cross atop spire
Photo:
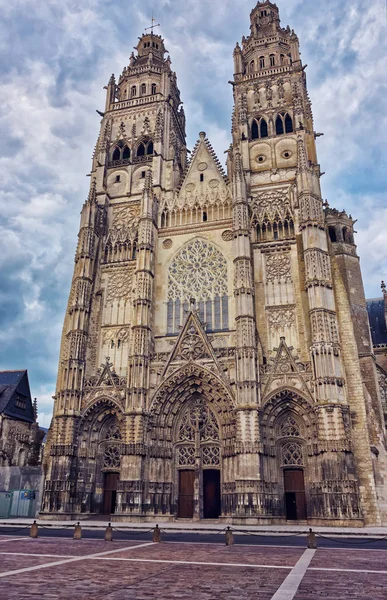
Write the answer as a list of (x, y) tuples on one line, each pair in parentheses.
[(153, 25)]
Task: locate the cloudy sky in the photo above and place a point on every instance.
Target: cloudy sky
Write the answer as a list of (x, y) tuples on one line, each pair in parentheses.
[(55, 59)]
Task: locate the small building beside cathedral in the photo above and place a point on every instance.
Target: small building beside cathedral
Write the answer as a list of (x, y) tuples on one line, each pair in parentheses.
[(216, 358)]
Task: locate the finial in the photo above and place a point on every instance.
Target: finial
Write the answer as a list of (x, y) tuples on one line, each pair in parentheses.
[(383, 286), (35, 405), (153, 25), (202, 135), (148, 184)]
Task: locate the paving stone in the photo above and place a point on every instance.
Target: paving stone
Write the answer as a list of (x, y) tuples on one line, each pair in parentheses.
[(218, 554), (352, 559), (342, 586)]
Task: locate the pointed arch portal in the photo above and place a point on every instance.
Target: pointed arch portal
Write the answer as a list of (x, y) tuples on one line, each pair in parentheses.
[(192, 416), (198, 461)]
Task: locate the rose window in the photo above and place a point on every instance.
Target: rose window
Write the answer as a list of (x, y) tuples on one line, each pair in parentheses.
[(198, 272), (111, 457)]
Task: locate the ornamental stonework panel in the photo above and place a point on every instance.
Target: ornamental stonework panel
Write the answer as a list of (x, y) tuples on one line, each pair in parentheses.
[(271, 206), (120, 284), (278, 267), (281, 318)]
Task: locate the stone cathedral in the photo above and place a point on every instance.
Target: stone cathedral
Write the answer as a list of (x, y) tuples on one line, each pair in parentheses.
[(216, 359)]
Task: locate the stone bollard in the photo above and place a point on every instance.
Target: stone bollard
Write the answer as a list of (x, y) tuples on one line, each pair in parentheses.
[(229, 537), (78, 532), (109, 533), (34, 530), (156, 534), (311, 539)]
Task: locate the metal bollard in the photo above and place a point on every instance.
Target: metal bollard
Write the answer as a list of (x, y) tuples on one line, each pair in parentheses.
[(109, 533), (156, 534), (34, 530), (311, 540), (229, 537), (78, 532)]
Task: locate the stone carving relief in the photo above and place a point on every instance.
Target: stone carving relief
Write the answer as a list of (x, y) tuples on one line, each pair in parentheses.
[(191, 346), (324, 327), (281, 318), (227, 235), (120, 284), (167, 244), (271, 205), (278, 267)]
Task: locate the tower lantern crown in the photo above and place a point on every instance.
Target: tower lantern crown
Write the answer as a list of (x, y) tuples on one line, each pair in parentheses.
[(150, 43), (264, 15)]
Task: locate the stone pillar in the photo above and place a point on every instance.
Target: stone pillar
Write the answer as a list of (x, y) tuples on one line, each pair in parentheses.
[(247, 443)]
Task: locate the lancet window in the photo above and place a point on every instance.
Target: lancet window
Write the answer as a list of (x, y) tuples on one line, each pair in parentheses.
[(120, 155), (284, 124), (259, 128), (144, 149), (199, 272)]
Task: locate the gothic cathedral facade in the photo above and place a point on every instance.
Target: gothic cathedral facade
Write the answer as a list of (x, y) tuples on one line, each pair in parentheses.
[(216, 359)]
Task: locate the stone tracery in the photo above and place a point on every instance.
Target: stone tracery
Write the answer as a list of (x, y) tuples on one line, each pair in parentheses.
[(199, 272)]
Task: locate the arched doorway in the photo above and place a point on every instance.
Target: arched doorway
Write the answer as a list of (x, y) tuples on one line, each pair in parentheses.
[(99, 459), (198, 461), (292, 464)]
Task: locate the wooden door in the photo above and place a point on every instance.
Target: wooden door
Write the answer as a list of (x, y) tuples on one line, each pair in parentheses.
[(295, 494), (186, 494), (110, 493), (211, 494)]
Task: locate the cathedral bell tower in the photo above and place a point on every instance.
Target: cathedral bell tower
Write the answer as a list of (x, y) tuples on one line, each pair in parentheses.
[(295, 306), (107, 336)]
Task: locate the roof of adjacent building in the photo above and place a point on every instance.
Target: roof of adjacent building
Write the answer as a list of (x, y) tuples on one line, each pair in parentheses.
[(15, 396), (377, 319)]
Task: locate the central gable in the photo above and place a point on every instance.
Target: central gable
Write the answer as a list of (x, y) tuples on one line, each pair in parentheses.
[(205, 182)]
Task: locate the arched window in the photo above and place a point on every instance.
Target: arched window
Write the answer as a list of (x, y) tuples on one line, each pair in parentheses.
[(279, 126), (143, 89), (254, 130), (272, 60), (126, 153), (116, 154), (252, 66), (282, 59), (284, 124), (154, 89), (261, 62), (133, 91), (288, 124), (332, 234), (199, 271), (145, 148), (259, 128), (141, 149), (347, 236)]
